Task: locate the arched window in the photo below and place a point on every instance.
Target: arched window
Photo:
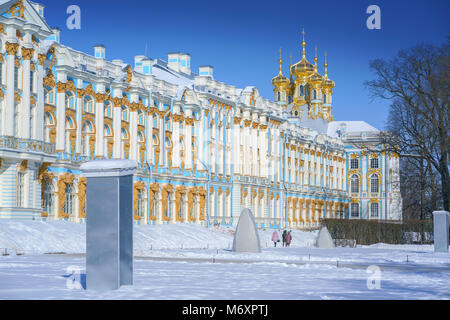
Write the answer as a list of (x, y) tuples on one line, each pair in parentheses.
[(168, 212), (69, 127), (354, 184), (324, 98), (155, 121), (302, 91), (70, 100), (124, 134), (107, 110), (141, 204), (16, 120), (141, 118), (69, 200), (124, 113), (86, 131), (374, 183), (168, 122), (107, 135), (315, 94), (88, 104), (155, 205), (48, 123), (49, 203), (279, 96)]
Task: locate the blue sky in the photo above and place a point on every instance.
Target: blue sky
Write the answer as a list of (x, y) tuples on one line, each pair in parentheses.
[(241, 39)]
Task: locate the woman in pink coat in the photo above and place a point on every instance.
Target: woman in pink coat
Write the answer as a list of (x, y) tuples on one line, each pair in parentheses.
[(288, 239), (275, 238)]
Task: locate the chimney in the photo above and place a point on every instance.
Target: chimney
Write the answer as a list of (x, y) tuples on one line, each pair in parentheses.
[(206, 71), (173, 61), (185, 63), (56, 36), (39, 8), (100, 51), (147, 66), (138, 63)]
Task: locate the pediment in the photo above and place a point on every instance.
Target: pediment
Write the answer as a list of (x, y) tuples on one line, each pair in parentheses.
[(23, 10)]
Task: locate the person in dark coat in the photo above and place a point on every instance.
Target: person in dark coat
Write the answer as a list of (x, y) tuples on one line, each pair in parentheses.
[(284, 238)]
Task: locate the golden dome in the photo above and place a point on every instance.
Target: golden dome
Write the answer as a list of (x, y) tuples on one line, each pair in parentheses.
[(302, 68), (326, 82), (280, 80), (316, 78)]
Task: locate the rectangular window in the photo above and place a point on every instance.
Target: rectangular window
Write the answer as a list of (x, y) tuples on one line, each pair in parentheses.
[(354, 164), (374, 210), (355, 210), (374, 163)]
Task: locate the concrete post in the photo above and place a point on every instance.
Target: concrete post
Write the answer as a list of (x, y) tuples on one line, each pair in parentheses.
[(109, 228), (440, 221)]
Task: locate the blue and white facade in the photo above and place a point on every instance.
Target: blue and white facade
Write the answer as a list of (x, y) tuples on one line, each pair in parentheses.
[(205, 149)]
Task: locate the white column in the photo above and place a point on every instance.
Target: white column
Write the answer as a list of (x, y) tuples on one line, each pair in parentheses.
[(61, 113), (133, 128), (188, 141), (201, 139), (246, 149), (117, 123), (264, 145), (26, 94), (79, 116), (162, 140), (176, 163), (11, 49), (99, 123), (237, 146), (39, 127), (149, 138)]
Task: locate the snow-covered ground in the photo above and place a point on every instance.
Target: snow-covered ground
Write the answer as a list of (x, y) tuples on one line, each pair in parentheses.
[(191, 262)]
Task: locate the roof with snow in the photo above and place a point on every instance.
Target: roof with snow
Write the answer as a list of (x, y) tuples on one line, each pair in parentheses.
[(337, 128)]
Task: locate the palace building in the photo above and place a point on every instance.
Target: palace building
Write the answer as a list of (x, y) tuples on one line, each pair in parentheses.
[(205, 149)]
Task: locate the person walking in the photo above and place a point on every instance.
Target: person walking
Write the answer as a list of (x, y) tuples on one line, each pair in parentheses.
[(288, 239), (275, 238), (284, 238)]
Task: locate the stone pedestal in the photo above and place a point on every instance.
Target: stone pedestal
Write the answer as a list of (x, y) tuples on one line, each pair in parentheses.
[(109, 227), (440, 222), (324, 240), (246, 237)]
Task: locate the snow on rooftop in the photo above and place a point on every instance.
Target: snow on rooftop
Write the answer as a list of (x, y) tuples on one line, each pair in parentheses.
[(349, 127)]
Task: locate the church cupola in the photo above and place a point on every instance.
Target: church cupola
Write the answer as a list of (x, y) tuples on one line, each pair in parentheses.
[(327, 89), (301, 70), (281, 85)]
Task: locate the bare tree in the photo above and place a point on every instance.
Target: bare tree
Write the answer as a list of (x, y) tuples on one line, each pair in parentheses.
[(417, 83)]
